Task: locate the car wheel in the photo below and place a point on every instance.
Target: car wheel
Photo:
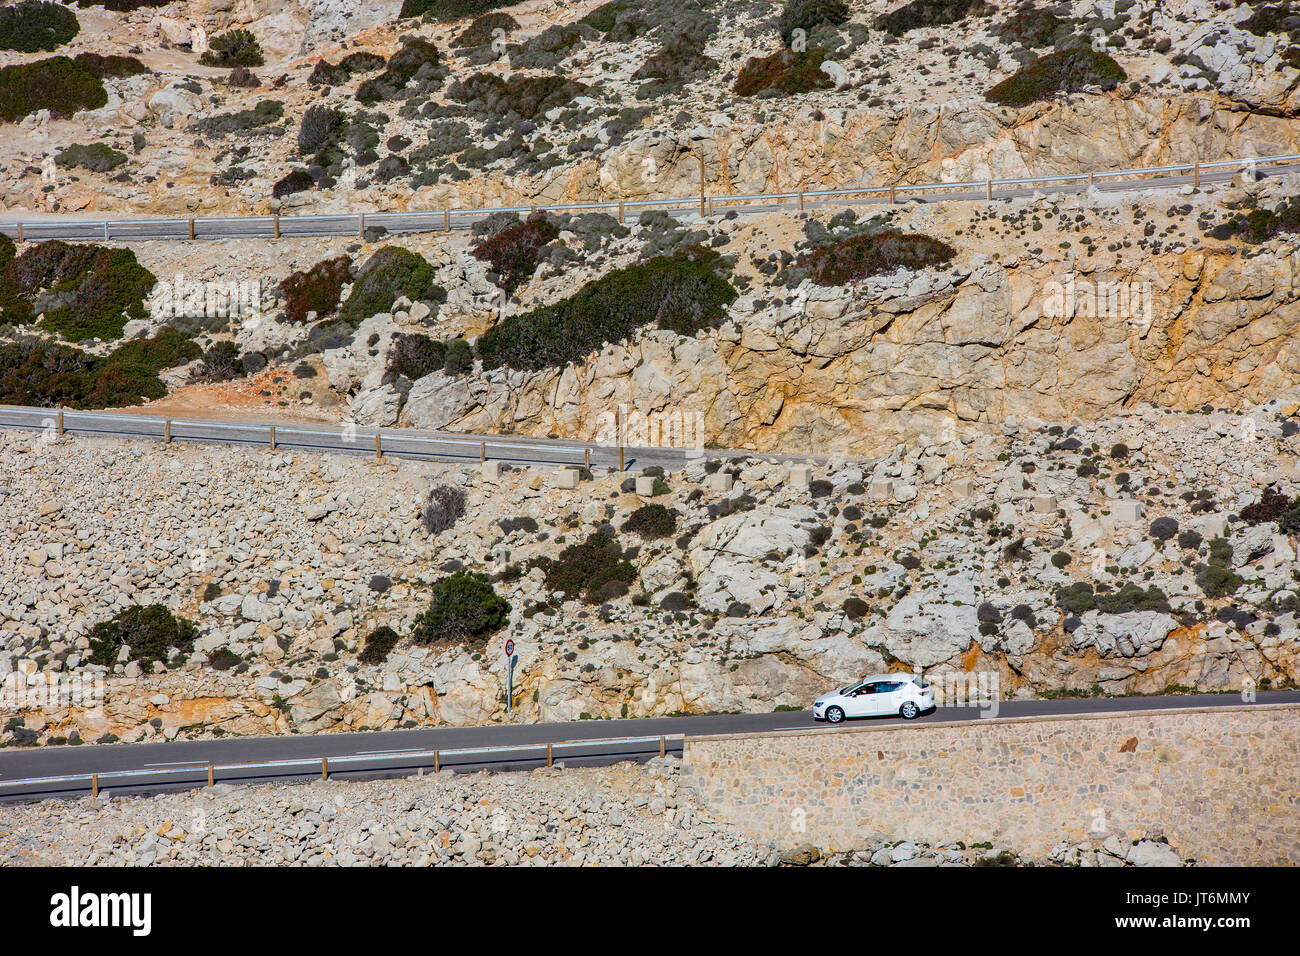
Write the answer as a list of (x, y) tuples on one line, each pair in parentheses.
[(909, 710), (834, 715)]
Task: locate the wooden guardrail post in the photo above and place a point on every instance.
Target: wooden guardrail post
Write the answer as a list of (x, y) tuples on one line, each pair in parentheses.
[(361, 225), (661, 746), (620, 212), (272, 438), (1196, 174), (167, 432), (277, 225), (20, 232), (94, 784), (549, 760), (324, 768), (801, 200), (893, 194), (437, 761), (210, 775), (191, 227), (482, 452), (710, 207), (586, 457), (379, 445), (446, 220), (988, 190), (620, 457), (60, 421)]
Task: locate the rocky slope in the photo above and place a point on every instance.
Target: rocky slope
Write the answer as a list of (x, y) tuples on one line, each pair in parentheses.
[(622, 816)]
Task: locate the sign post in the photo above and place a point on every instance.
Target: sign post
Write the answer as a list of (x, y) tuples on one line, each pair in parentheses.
[(511, 659)]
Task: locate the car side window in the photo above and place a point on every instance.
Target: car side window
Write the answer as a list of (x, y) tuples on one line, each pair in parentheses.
[(870, 688)]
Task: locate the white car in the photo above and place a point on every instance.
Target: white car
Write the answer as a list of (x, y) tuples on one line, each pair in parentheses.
[(879, 695)]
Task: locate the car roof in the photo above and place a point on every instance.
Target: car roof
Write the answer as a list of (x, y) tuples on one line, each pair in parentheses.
[(894, 676)]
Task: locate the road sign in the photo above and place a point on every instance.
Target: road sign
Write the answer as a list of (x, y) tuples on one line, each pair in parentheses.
[(510, 648)]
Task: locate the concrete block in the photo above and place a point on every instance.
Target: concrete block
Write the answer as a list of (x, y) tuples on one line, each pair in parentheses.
[(1214, 526), (645, 486), (567, 479), (800, 477), (963, 488), (882, 489), (490, 470), (719, 481), (1126, 511), (1043, 504)]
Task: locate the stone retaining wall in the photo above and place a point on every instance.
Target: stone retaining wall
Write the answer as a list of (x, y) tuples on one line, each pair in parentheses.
[(1221, 784)]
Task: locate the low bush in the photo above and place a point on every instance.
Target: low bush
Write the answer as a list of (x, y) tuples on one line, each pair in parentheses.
[(458, 357), (1031, 26), (233, 48), (930, 13), (110, 65), (442, 508), (859, 257), (97, 157), (379, 644), (325, 73), (783, 72), (587, 570), (242, 121), (484, 30), (150, 633), (513, 252), (651, 521), (464, 608), (316, 290), (221, 363), (84, 290), (32, 26), (679, 61), (1256, 225), (321, 126), (56, 84), (415, 355), (519, 95), (1215, 578), (807, 15), (1065, 71), (34, 372), (1162, 529), (683, 293), (446, 10), (417, 59), (855, 608), (389, 274), (295, 181)]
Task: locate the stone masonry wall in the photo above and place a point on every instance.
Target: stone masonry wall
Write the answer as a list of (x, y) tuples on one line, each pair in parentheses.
[(1221, 784)]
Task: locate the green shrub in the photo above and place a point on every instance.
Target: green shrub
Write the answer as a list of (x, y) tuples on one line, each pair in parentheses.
[(679, 61), (855, 608), (316, 290), (604, 18), (97, 157), (651, 521), (857, 258), (682, 293), (35, 25), (458, 357), (513, 252), (463, 607), (110, 65), (523, 95), (343, 71), (1260, 225), (379, 643), (1065, 71), (241, 121), (1076, 598), (783, 72), (1132, 597), (321, 126), (233, 48), (806, 15), (295, 181), (56, 84), (442, 508), (483, 30), (39, 373), (221, 363), (85, 291), (417, 59), (447, 10), (389, 274), (414, 355), (930, 13), (588, 569), (150, 632), (1032, 26), (122, 6), (1060, 559)]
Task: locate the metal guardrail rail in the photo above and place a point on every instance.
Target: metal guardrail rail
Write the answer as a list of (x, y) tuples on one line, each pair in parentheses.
[(345, 440), (276, 226), (210, 774)]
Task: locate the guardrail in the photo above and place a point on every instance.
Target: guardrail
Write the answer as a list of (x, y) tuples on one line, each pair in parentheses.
[(346, 440), (276, 226), (210, 774)]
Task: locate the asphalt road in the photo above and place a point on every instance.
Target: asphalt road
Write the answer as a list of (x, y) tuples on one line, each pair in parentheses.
[(64, 771), (265, 227)]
